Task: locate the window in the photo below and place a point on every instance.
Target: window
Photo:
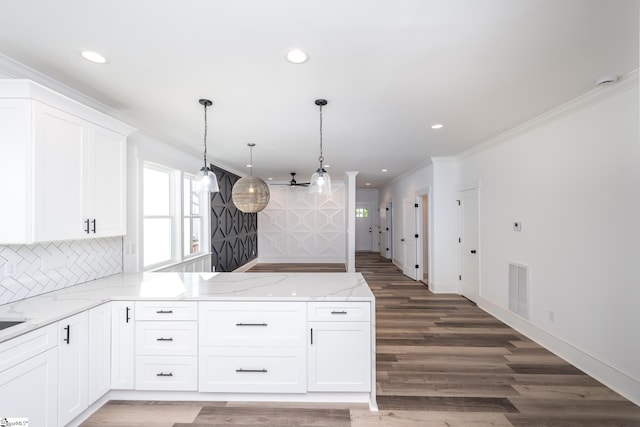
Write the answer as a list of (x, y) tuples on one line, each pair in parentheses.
[(173, 217), (362, 213), (157, 226)]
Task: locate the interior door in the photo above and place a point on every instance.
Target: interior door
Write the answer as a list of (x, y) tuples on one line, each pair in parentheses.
[(469, 244), (410, 266), (364, 232)]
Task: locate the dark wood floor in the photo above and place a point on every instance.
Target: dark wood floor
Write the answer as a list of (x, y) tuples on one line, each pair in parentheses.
[(441, 361)]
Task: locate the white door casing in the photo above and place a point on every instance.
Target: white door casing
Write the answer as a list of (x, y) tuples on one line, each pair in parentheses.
[(469, 235)]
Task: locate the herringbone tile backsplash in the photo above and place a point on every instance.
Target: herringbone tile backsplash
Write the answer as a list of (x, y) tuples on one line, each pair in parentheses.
[(30, 270)]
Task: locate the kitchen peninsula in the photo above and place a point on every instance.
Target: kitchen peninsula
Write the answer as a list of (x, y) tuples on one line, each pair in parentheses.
[(188, 336)]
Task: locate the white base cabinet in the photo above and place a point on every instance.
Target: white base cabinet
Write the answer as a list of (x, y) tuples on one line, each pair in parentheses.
[(123, 349), (339, 356), (73, 367), (99, 351), (29, 377)]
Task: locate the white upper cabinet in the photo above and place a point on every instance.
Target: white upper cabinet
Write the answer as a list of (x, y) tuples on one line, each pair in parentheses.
[(64, 166)]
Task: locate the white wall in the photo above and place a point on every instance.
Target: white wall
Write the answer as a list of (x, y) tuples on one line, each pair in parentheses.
[(300, 227), (573, 180), (370, 196)]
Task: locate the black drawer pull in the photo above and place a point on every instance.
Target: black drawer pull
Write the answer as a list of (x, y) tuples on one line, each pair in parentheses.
[(164, 339), (339, 312), (251, 324), (162, 374), (252, 370), (164, 311)]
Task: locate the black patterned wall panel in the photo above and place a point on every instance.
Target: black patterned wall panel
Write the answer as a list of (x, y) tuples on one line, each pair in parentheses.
[(234, 234)]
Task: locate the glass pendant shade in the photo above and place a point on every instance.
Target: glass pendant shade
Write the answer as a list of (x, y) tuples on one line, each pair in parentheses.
[(207, 180), (250, 194), (320, 182)]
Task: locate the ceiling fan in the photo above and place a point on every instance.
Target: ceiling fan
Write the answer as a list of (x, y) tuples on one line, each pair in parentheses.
[(294, 183)]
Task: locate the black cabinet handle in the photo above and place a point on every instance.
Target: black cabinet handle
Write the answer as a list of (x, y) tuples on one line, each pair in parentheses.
[(94, 225), (164, 311), (339, 312), (68, 329), (162, 374), (402, 240), (127, 317), (86, 223), (252, 370), (311, 336), (164, 339), (251, 324)]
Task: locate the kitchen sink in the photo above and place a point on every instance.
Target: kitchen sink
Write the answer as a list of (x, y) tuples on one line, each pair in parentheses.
[(4, 324)]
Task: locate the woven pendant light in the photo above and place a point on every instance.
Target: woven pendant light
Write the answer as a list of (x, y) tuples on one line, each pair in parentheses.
[(250, 194)]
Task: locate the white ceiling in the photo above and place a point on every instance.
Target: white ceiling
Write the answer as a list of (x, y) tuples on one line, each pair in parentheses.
[(389, 70)]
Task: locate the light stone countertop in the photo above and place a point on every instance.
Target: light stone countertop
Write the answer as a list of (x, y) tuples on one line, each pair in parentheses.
[(48, 308)]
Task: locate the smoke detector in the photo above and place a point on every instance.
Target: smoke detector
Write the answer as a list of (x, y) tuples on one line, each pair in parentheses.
[(606, 80)]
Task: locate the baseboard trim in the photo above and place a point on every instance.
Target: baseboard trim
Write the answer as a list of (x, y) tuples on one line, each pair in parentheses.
[(246, 266), (613, 378), (309, 260)]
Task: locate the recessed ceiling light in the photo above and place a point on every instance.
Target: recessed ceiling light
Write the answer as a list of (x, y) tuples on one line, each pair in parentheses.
[(94, 57), (437, 126), (383, 170), (327, 166), (270, 179), (297, 56), (368, 183), (249, 166)]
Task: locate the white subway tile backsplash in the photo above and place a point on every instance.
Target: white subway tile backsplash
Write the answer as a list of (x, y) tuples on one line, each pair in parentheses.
[(30, 270)]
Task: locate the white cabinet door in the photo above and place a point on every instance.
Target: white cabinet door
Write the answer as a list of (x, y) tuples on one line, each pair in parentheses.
[(59, 143), (122, 345), (105, 196), (339, 356), (30, 389), (73, 367), (99, 351)]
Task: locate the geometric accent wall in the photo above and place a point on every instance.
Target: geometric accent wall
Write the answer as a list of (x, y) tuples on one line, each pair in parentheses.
[(234, 234), (300, 227), (30, 270)]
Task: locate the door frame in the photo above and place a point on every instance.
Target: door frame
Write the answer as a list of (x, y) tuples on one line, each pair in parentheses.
[(420, 193), (369, 208)]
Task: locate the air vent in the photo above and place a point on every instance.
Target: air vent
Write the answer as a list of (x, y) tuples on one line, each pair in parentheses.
[(519, 289)]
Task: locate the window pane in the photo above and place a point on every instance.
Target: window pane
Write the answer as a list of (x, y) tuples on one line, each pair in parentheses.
[(192, 236), (186, 197), (156, 192), (157, 240)]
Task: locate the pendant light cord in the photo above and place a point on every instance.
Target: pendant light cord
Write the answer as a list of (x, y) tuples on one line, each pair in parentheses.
[(321, 158), (205, 135)]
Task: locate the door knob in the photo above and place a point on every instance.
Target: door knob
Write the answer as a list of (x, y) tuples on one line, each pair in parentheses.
[(473, 251)]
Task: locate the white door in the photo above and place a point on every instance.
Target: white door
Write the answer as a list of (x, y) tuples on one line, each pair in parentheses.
[(387, 249), (410, 267), (469, 243), (364, 232)]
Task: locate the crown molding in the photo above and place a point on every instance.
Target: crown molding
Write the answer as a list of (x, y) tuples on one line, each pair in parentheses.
[(594, 96)]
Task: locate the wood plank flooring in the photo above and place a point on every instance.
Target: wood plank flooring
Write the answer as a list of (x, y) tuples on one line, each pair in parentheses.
[(441, 361)]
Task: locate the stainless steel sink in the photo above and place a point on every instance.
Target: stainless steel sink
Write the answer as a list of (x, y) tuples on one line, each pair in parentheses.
[(4, 324)]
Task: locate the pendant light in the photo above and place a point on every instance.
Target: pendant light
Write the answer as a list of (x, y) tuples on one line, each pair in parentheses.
[(206, 179), (250, 194), (320, 180)]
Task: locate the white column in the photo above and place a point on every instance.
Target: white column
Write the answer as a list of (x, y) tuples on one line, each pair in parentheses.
[(350, 212)]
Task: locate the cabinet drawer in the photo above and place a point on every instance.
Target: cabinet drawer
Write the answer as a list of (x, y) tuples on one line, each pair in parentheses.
[(253, 370), (166, 310), (21, 348), (166, 373), (166, 338), (253, 324), (339, 311)]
